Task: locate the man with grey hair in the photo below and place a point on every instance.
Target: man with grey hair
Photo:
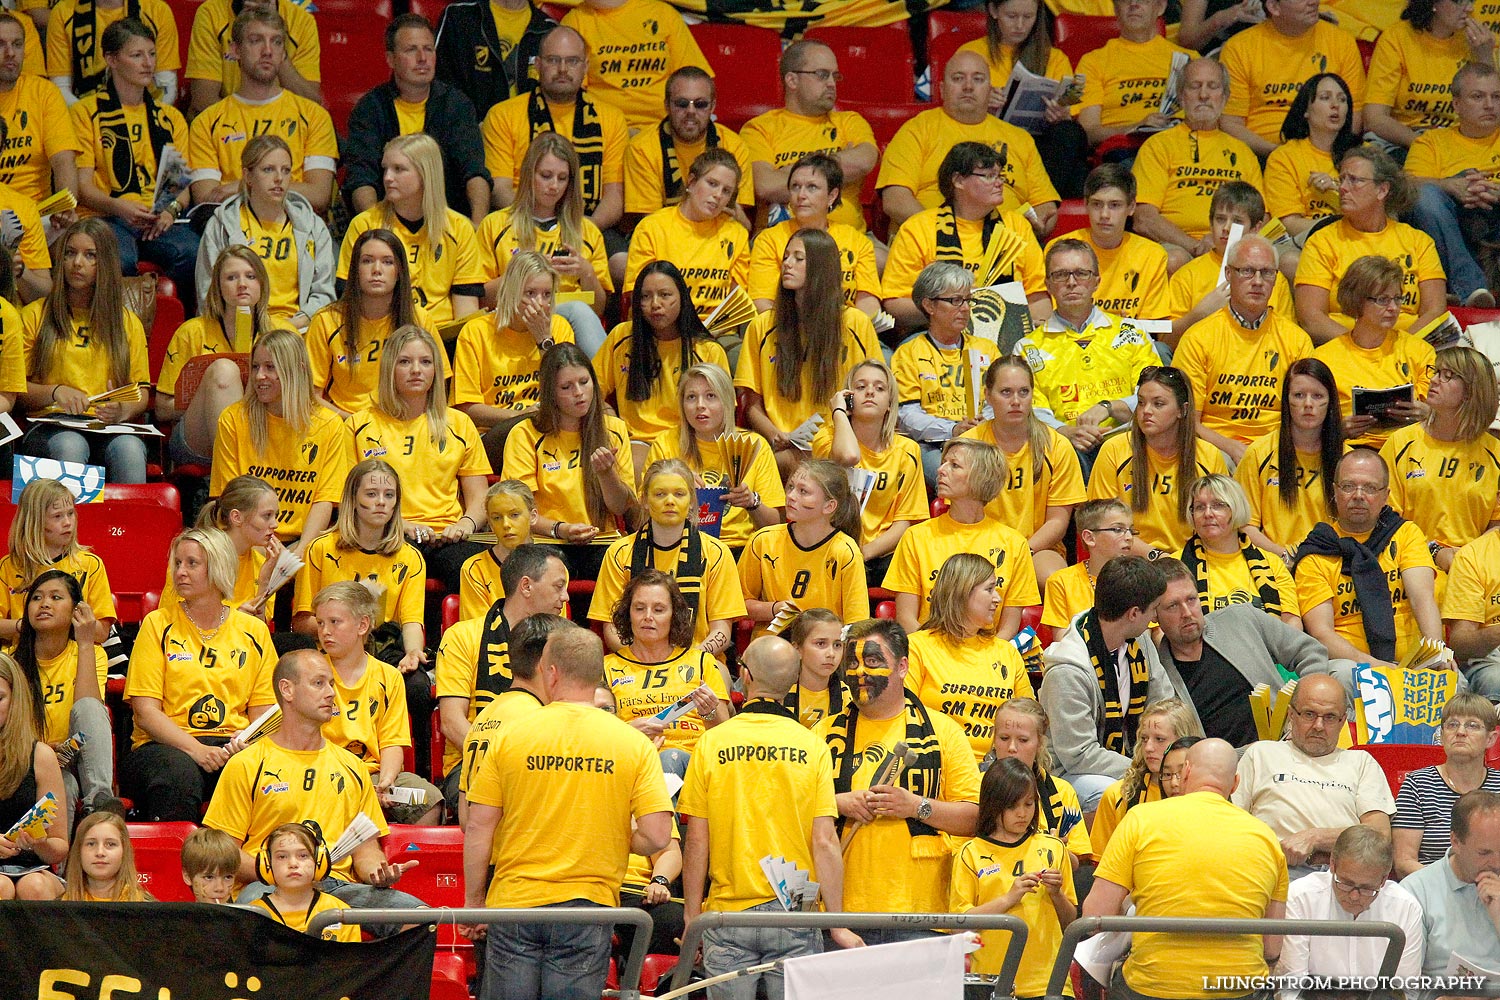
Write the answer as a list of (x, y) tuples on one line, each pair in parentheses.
[(1236, 359), (1460, 895), (1354, 887)]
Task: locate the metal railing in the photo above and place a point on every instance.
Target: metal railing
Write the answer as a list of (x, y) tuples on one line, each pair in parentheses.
[(717, 919), (1085, 926), (630, 975)]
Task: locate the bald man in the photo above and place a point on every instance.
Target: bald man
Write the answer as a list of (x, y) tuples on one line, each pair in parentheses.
[(1157, 843), (759, 785), (1306, 788)]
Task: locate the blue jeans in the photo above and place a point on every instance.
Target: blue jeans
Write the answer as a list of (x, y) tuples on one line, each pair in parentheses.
[(728, 948), (588, 330), (1090, 788), (356, 895), (1483, 674), (174, 251), (546, 961), (122, 455), (1440, 217)]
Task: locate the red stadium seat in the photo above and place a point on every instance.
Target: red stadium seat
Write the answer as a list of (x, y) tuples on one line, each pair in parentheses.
[(877, 63), (1468, 316), (436, 746), (353, 40), (158, 858), (1076, 34), (439, 879), (170, 314), (1399, 759), (450, 611), (160, 494), (1366, 50), (745, 61), (430, 9), (183, 12), (150, 601), (1031, 616), (654, 970), (1071, 217), (450, 974), (947, 32), (886, 610), (938, 507), (132, 539)]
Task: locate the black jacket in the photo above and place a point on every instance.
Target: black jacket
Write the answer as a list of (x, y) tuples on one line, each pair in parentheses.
[(450, 120), (469, 54)]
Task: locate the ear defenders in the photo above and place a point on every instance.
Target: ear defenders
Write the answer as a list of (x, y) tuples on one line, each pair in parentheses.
[(322, 860)]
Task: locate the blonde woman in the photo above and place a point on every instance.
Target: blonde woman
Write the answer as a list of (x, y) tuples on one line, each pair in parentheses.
[(246, 511), (1161, 724), (445, 276), (28, 770), (434, 448), (511, 509), (43, 536), (1021, 729), (1226, 565)]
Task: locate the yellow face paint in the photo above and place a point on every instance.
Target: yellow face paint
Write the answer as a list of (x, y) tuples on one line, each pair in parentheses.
[(510, 519), (669, 498), (868, 667)]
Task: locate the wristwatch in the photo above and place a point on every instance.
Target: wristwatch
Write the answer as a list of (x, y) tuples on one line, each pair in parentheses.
[(1108, 405), (661, 880), (924, 810)]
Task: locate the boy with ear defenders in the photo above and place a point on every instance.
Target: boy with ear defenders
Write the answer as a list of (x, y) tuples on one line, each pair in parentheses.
[(294, 859)]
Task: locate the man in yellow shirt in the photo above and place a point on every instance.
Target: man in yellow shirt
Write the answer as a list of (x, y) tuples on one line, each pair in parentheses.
[(488, 48), (1269, 62), (1471, 610), (1458, 169), (1123, 80), (808, 124), (213, 72), (909, 172), (1178, 170), (760, 785), (1132, 269), (559, 804), (38, 155), (634, 45), (1156, 843)]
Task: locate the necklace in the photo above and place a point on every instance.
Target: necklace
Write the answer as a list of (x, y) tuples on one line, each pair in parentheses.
[(209, 632)]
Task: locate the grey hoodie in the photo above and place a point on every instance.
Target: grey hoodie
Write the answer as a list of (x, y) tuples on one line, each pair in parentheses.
[(317, 258)]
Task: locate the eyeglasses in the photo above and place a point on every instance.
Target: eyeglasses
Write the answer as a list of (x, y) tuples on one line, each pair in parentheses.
[(1312, 718), (1081, 274), (1384, 301), (956, 301), (1263, 273), (572, 62), (1120, 530), (1161, 373), (700, 104), (995, 177), (1465, 726), (1447, 375), (1356, 890), (1354, 181), (1360, 489), (1212, 507), (823, 75), (1165, 776)]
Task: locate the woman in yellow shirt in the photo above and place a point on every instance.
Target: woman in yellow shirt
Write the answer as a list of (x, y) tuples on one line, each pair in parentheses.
[(511, 509), (1226, 565), (1287, 475), (239, 283), (755, 497), (1413, 66), (795, 355), (80, 342), (576, 461), (434, 448), (862, 434), (1161, 725), (820, 690), (1445, 471), (1301, 181), (245, 511)]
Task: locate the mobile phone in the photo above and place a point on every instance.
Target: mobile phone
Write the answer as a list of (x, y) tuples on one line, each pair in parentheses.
[(848, 399)]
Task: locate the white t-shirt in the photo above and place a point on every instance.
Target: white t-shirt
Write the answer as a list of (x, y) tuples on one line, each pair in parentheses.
[(1311, 898), (1291, 792)]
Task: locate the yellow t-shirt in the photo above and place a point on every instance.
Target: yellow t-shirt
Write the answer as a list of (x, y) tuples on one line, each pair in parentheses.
[(32, 250), (1320, 578), (645, 191), (714, 256), (719, 597), (542, 767), (644, 689), (1237, 373), (1329, 252), (913, 156), (1025, 497), (1411, 72), (217, 137), (203, 334), (633, 48), (1112, 809), (1473, 591), (1230, 582), (967, 681), (209, 56), (80, 359), (38, 128), (781, 138), (1132, 276), (497, 243), (946, 382), (456, 674), (59, 676), (303, 468), (1179, 169), (506, 131), (125, 170), (550, 464), (410, 116), (856, 260), (206, 685), (915, 246), (372, 713), (499, 366), (1267, 68), (351, 381), (1288, 189), (1399, 359), (1127, 79), (1195, 279), (1441, 153), (925, 547), (479, 585), (276, 246), (436, 273), (830, 574), (759, 780), (736, 526), (757, 367), (984, 869), (266, 785), (87, 568), (1069, 591), (155, 14), (12, 349), (484, 733), (1158, 524), (886, 869), (429, 475), (298, 920), (1074, 371), (1003, 61), (403, 575), (1449, 489), (1148, 855), (1257, 474), (659, 414), (899, 492)]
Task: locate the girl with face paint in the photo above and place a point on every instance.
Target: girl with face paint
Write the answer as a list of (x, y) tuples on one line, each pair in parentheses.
[(511, 508)]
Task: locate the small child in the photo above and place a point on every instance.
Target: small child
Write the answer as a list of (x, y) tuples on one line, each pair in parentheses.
[(210, 862), (1106, 528), (291, 852), (101, 864), (1012, 867)]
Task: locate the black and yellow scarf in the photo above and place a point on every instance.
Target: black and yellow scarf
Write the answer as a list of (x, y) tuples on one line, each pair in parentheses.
[(1002, 247), (130, 176), (671, 170), (1260, 573), (1120, 721), (765, 706), (1053, 812), (923, 777), (492, 673), (690, 566), (86, 44), (588, 142), (838, 697), (1361, 563)]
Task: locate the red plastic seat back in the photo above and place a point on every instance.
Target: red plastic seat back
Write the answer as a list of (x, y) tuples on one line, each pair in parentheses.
[(1398, 760), (947, 32), (876, 62), (745, 59), (132, 539), (353, 42), (158, 858)]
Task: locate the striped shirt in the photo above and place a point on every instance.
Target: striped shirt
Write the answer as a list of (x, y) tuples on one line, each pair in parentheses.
[(1426, 802)]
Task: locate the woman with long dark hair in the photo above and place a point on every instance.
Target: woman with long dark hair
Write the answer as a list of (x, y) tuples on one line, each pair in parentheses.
[(1302, 183)]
